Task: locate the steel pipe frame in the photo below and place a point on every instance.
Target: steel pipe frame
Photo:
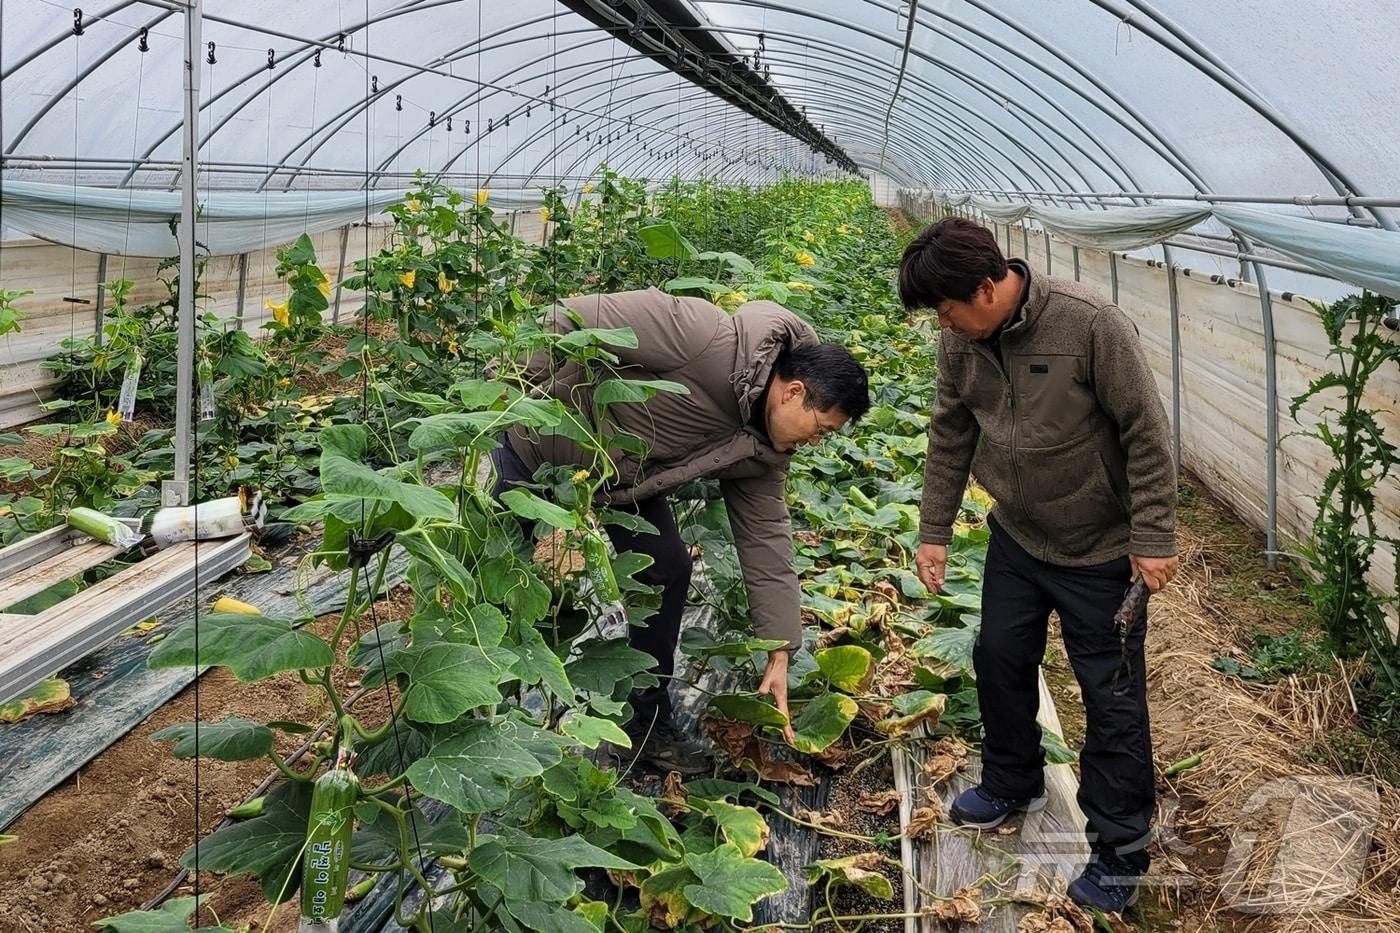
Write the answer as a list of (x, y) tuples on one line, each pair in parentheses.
[(784, 119), (1300, 200), (1208, 64), (934, 90), (899, 81), (924, 141)]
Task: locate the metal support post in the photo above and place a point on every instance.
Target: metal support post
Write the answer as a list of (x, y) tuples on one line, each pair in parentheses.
[(1266, 308), (242, 290), (1074, 257), (1026, 241), (101, 298), (1047, 253), (1113, 275), (340, 272), (1175, 307), (177, 491)]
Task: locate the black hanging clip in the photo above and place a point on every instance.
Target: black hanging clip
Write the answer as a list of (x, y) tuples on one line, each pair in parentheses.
[(143, 43), (271, 59), (340, 43), (468, 128), (362, 549), (432, 118), (77, 21), (374, 84), (316, 59), (209, 57), (638, 26), (506, 121), (449, 124), (398, 101), (490, 124)]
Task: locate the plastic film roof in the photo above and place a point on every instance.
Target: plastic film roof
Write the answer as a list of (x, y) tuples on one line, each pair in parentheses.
[(1269, 98)]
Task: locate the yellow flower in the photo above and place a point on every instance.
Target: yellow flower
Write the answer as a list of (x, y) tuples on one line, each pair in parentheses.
[(231, 461), (444, 283), (113, 417), (284, 382), (587, 187), (807, 235), (581, 476), (731, 300), (413, 204), (325, 288), (544, 215), (279, 311), (843, 229), (409, 277), (482, 196), (805, 258), (800, 286), (452, 347), (860, 229)]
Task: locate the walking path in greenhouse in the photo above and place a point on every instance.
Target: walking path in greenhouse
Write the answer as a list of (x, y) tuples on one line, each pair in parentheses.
[(628, 465)]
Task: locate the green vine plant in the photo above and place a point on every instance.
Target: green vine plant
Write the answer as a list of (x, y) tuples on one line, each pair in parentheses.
[(1345, 537), (503, 676)]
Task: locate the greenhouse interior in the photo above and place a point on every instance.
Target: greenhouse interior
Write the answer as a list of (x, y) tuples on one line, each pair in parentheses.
[(603, 466)]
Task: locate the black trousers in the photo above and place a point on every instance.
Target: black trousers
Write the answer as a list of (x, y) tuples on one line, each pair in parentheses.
[(670, 570), (1116, 789)]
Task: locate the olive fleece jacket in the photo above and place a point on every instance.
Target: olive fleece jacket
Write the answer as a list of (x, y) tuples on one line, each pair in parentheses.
[(1063, 426)]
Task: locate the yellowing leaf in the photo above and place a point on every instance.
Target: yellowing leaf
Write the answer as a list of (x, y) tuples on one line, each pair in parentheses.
[(49, 696)]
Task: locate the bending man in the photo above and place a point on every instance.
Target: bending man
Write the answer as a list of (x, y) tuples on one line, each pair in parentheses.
[(760, 385)]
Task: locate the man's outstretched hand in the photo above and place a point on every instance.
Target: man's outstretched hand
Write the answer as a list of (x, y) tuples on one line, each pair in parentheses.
[(930, 562), (775, 682)]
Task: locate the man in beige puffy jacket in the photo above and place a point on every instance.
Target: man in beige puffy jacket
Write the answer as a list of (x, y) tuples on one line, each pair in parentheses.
[(760, 383), (1045, 396)]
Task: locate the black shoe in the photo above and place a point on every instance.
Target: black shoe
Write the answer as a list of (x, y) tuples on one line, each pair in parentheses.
[(980, 810), (1109, 883), (665, 748)]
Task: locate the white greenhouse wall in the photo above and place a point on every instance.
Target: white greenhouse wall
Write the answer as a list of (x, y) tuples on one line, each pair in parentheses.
[(56, 272)]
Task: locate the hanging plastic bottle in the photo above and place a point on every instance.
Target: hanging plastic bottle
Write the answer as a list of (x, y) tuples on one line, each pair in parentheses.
[(126, 400), (205, 378)]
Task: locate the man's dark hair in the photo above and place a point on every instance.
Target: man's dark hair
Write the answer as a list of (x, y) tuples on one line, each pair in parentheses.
[(832, 376), (948, 259)]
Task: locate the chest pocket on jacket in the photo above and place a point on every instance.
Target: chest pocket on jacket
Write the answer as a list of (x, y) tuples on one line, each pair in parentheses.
[(1055, 404)]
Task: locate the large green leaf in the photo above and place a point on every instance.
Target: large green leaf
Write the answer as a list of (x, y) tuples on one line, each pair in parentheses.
[(1057, 752), (740, 265), (536, 916), (345, 475), (731, 884), (537, 663), (846, 667), (742, 826), (589, 731), (171, 917), (447, 679), (664, 241), (822, 721), (953, 644), (233, 739), (700, 643), (529, 506), (602, 663), (253, 647), (747, 707), (527, 868), (473, 770), (623, 391), (268, 846)]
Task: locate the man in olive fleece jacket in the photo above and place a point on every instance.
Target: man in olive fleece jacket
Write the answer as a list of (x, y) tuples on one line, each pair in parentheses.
[(1045, 396), (759, 384)]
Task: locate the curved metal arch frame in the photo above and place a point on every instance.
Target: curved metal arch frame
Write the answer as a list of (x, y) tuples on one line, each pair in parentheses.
[(987, 91), (349, 114), (358, 106), (703, 94), (668, 103), (959, 125)]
